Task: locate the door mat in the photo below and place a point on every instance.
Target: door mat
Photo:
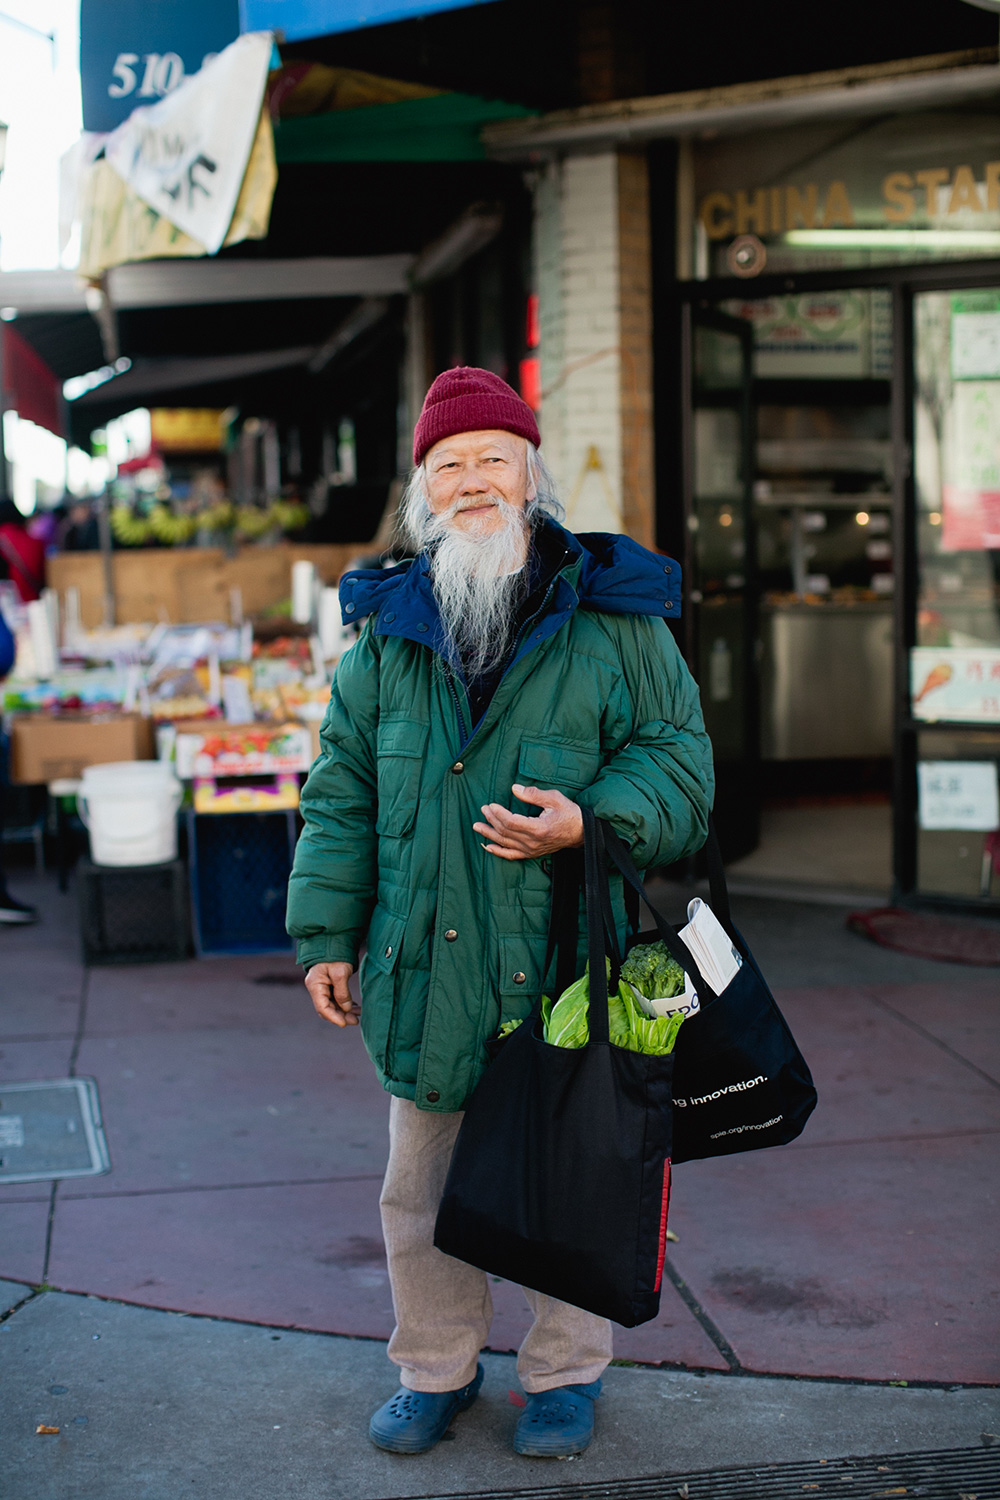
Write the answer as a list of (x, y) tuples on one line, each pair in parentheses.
[(51, 1129), (947, 939), (949, 1474)]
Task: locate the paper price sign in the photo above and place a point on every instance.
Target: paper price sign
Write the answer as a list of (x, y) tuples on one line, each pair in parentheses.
[(958, 795)]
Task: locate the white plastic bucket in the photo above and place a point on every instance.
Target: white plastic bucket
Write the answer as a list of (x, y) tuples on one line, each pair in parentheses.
[(130, 810)]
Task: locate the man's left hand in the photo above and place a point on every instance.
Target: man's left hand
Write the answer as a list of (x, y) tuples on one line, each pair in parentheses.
[(560, 826)]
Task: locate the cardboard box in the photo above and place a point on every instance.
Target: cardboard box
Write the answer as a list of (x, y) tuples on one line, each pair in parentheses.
[(47, 746)]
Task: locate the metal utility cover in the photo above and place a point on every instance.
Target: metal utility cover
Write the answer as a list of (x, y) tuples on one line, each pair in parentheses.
[(51, 1129)]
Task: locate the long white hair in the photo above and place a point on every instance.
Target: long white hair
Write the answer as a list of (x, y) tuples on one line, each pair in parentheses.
[(479, 581)]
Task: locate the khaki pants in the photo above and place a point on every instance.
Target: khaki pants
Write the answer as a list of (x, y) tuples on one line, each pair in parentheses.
[(443, 1306)]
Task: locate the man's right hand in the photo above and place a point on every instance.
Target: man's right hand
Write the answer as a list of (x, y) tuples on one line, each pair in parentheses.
[(329, 990)]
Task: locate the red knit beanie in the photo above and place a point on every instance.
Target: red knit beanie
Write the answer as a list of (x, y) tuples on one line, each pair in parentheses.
[(470, 400)]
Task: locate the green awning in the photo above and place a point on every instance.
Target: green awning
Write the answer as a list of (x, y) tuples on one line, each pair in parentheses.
[(444, 127)]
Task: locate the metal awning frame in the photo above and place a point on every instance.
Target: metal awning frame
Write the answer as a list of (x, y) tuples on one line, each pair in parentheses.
[(943, 80)]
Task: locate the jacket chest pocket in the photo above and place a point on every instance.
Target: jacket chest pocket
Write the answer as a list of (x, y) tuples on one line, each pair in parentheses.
[(400, 747), (552, 765)]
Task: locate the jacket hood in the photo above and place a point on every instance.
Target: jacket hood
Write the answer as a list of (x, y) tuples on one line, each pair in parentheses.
[(613, 575)]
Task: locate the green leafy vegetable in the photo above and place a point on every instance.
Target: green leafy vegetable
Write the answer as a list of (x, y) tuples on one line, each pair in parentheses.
[(568, 1022), (508, 1027)]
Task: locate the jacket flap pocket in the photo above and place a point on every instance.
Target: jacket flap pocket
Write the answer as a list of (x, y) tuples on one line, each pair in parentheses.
[(385, 938), (521, 960), (402, 736), (554, 765), (401, 745)]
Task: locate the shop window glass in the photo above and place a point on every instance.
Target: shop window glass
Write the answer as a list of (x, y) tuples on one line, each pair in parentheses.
[(955, 664)]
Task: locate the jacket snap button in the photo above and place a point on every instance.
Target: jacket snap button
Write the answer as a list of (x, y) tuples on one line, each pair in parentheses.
[(390, 616), (519, 978), (457, 768), (433, 1096), (668, 604), (348, 609), (666, 568), (388, 952), (422, 628), (451, 935)]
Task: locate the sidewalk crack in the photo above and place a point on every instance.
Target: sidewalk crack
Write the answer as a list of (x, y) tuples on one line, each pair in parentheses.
[(701, 1317)]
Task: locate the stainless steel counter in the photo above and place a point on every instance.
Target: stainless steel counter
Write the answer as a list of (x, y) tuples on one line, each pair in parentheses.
[(826, 681)]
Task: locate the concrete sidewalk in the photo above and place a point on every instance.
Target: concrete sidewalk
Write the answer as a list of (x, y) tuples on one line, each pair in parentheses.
[(247, 1143)]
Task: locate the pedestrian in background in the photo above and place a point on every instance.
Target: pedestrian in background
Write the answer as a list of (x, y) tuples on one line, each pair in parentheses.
[(12, 911), (507, 676), (22, 556)]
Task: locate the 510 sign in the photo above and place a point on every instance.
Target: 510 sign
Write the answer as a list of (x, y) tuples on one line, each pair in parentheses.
[(135, 52), (150, 76)]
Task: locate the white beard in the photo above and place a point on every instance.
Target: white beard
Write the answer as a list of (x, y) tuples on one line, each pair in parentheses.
[(478, 581)]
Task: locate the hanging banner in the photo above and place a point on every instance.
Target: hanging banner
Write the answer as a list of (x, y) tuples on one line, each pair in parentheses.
[(116, 225), (136, 51), (186, 156), (297, 19)]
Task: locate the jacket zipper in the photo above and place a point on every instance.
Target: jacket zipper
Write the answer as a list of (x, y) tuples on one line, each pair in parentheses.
[(458, 706)]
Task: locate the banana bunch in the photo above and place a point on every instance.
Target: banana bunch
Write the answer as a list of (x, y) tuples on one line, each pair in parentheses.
[(291, 515), (253, 522), (170, 529), (218, 517), (129, 529)]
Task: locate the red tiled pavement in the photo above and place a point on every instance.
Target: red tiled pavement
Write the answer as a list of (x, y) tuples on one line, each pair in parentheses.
[(858, 1251), (853, 1260), (217, 1106), (23, 1227), (295, 1256)]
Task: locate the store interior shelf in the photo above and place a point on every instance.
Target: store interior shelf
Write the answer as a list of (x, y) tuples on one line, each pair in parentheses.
[(824, 500)]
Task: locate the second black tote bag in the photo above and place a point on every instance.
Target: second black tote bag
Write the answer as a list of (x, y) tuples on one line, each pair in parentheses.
[(740, 1081), (560, 1176)]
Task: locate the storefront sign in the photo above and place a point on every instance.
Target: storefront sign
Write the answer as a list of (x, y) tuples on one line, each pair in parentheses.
[(955, 684), (897, 189), (186, 429), (134, 52), (296, 19), (958, 794), (186, 156)]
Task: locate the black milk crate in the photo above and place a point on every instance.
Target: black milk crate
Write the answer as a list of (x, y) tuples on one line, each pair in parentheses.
[(240, 864), (133, 914)]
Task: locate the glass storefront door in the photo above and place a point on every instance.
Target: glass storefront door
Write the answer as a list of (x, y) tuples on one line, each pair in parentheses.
[(721, 565), (954, 664)]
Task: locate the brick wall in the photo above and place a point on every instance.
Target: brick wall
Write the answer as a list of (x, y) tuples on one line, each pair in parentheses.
[(592, 274)]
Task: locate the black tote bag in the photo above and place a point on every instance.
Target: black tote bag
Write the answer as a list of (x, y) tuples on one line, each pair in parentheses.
[(740, 1082), (560, 1176)]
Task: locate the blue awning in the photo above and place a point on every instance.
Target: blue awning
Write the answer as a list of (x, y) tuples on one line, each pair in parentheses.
[(303, 18), (298, 19)]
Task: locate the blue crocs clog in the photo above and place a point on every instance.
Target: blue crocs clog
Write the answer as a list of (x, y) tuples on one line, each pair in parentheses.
[(557, 1423), (413, 1421)]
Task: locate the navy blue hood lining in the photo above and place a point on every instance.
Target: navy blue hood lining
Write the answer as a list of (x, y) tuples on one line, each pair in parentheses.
[(617, 576)]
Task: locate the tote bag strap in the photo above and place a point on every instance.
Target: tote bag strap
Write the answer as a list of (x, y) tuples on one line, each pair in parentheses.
[(619, 853), (718, 890), (596, 873), (564, 914)]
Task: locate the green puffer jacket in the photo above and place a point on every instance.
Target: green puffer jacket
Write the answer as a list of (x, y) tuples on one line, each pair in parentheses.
[(596, 704)]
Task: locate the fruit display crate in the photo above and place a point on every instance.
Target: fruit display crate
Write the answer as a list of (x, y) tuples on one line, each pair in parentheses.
[(239, 868)]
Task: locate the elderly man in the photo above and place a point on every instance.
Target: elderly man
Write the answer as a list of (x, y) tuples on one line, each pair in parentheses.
[(507, 676)]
